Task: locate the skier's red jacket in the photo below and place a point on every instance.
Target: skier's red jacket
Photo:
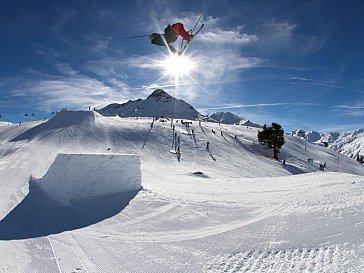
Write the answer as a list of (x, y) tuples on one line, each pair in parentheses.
[(179, 29)]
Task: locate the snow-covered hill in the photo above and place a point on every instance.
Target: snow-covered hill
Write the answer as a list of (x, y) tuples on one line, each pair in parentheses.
[(158, 104), (228, 208)]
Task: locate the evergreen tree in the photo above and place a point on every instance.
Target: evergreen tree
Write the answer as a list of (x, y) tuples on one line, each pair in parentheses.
[(272, 137)]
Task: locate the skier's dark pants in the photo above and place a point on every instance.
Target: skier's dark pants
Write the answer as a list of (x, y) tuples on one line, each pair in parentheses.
[(164, 39)]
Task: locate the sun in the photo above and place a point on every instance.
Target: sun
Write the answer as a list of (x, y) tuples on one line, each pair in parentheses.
[(176, 65)]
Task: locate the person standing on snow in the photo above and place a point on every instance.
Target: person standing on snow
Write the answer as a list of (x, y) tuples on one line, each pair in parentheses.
[(178, 152), (171, 33)]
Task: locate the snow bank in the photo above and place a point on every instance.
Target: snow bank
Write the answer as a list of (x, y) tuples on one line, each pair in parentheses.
[(74, 177)]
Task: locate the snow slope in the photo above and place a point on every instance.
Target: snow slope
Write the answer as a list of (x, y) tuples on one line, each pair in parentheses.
[(229, 208)]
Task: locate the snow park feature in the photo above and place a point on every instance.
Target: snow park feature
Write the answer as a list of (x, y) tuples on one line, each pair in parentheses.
[(224, 207), (76, 191), (74, 177)]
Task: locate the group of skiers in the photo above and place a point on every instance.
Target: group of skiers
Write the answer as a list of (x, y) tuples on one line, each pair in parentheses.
[(176, 139), (322, 166)]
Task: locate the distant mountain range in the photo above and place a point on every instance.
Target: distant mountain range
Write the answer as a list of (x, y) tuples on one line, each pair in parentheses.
[(161, 104), (349, 143)]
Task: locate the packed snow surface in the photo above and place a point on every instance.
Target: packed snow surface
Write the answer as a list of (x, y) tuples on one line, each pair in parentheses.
[(226, 208)]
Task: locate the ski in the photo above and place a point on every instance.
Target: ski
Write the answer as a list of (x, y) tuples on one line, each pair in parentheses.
[(198, 20), (187, 44), (137, 36)]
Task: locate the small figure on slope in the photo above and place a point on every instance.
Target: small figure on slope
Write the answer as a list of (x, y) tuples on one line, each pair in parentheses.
[(178, 152)]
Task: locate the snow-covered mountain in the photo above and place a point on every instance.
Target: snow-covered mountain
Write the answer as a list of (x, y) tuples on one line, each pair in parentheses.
[(84, 192), (312, 136), (349, 143), (225, 117), (161, 104), (249, 123), (158, 104)]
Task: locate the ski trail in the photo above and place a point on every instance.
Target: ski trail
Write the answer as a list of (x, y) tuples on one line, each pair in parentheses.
[(103, 259), (66, 258), (146, 139), (155, 213), (184, 235), (54, 254)]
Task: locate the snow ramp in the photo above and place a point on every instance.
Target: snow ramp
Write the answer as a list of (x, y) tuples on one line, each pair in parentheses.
[(59, 122), (74, 177)]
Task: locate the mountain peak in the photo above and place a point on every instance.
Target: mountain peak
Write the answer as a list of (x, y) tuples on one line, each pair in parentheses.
[(158, 93), (157, 104), (225, 117)]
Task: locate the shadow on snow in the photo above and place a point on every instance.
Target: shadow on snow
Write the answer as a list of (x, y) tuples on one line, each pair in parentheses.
[(39, 215)]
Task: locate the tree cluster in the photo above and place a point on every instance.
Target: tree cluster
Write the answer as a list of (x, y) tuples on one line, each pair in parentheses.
[(272, 137)]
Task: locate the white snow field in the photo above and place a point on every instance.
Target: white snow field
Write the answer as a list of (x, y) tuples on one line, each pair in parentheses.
[(229, 208)]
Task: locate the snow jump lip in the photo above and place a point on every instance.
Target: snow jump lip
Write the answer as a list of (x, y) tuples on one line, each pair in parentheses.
[(77, 191)]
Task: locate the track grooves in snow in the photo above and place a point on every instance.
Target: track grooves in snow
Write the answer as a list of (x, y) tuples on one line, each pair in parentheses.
[(323, 259), (184, 235), (66, 258)]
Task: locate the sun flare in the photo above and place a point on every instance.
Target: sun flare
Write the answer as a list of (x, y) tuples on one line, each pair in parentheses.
[(176, 65)]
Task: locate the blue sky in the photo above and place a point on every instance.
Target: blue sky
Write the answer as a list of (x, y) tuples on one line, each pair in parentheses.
[(298, 63)]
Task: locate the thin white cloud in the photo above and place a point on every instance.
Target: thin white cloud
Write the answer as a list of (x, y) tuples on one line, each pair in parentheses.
[(309, 81), (259, 105), (350, 110), (302, 79), (277, 34), (311, 44), (220, 36), (348, 107), (281, 35)]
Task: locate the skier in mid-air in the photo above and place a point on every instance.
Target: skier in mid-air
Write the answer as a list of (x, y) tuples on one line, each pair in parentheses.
[(171, 33)]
